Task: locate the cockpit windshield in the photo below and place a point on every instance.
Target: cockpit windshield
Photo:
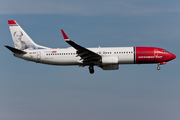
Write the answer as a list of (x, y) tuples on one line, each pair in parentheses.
[(165, 52)]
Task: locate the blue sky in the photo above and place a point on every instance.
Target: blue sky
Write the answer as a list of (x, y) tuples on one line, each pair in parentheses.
[(41, 92)]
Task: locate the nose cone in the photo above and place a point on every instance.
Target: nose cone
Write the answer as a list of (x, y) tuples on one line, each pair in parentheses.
[(172, 56)]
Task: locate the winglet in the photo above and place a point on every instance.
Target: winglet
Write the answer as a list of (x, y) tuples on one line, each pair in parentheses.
[(12, 22), (65, 36)]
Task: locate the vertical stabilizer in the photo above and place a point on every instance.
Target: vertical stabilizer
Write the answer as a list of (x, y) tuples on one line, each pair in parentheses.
[(21, 40)]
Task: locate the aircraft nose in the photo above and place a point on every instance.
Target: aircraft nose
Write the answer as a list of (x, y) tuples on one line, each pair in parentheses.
[(172, 56)]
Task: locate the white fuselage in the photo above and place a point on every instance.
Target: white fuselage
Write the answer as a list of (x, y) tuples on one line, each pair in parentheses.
[(68, 56)]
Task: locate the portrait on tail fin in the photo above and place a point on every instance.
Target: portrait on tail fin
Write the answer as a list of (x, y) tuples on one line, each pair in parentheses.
[(20, 38), (19, 43)]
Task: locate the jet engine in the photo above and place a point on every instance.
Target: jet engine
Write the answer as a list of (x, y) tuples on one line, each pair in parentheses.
[(109, 63), (109, 60), (110, 67)]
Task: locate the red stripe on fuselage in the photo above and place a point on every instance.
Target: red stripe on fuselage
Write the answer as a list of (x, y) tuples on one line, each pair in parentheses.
[(151, 55)]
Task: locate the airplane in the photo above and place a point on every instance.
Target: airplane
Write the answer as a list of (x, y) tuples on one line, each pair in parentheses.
[(107, 58)]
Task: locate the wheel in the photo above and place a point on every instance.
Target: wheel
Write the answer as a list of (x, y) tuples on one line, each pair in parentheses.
[(91, 69), (158, 68)]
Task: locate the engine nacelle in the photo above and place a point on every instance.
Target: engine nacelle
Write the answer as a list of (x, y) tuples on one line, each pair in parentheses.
[(109, 60), (110, 67)]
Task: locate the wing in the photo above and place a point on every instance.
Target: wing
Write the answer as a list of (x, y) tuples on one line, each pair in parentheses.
[(87, 56)]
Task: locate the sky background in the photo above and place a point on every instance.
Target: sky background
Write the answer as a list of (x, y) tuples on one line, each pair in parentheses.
[(32, 91)]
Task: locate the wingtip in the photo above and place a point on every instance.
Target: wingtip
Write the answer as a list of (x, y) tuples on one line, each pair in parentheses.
[(64, 35)]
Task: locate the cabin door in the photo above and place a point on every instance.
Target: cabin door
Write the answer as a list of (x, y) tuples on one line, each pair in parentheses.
[(155, 54), (38, 55)]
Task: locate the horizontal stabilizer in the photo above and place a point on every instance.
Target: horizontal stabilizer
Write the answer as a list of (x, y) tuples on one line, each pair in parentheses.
[(14, 50)]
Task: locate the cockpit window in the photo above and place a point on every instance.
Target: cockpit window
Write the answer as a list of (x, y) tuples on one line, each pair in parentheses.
[(165, 52)]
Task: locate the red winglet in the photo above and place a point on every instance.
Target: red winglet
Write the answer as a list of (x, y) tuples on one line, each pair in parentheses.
[(12, 22), (64, 35)]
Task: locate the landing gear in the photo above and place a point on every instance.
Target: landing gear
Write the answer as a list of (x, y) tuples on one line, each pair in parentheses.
[(91, 69), (161, 63), (158, 68)]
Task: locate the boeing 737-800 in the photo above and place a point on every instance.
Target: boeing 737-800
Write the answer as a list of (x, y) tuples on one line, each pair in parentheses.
[(107, 58)]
